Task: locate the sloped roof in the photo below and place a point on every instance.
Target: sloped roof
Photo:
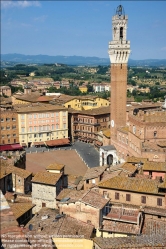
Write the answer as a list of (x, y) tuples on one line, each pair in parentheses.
[(19, 209), (39, 107), (124, 129), (46, 178), (90, 197), (154, 166), (128, 167), (120, 227), (55, 166), (107, 133), (6, 168), (134, 159), (96, 111), (131, 184), (93, 198), (71, 226), (64, 225), (133, 242), (28, 97), (72, 194), (94, 172)]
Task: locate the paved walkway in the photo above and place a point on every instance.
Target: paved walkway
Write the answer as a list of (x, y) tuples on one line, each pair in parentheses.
[(88, 153)]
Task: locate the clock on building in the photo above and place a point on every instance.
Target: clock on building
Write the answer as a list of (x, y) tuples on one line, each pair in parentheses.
[(112, 123)]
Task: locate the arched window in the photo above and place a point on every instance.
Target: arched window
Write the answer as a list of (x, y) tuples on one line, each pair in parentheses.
[(121, 32)]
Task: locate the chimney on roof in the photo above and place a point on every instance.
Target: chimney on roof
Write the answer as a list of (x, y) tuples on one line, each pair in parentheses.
[(40, 228), (27, 89)]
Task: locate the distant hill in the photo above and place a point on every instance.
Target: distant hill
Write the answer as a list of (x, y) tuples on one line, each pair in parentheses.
[(73, 60)]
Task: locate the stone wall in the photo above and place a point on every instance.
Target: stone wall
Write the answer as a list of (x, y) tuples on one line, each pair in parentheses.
[(82, 212), (45, 194)]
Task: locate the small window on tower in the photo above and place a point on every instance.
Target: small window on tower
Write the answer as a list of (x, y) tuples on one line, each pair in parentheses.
[(121, 33), (155, 133), (121, 66)]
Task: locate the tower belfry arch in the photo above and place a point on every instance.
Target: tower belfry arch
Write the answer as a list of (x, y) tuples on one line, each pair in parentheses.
[(119, 51)]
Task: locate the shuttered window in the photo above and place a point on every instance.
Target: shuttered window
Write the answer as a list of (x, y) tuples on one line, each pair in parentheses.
[(128, 197), (159, 202), (143, 199), (116, 196)]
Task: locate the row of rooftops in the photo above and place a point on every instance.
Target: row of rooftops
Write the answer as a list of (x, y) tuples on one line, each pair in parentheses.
[(150, 116), (114, 178)]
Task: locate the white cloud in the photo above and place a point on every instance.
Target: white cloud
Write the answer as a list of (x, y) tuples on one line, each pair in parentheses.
[(22, 4)]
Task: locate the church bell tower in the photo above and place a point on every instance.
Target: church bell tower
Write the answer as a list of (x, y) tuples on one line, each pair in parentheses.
[(119, 51)]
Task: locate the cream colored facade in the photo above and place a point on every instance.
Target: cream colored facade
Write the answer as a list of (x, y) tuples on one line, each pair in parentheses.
[(86, 103), (109, 235), (42, 123)]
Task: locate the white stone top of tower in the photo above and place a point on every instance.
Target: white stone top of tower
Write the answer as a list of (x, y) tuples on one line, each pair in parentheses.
[(119, 47)]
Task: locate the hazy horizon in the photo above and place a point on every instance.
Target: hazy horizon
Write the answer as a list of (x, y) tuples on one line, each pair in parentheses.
[(83, 28)]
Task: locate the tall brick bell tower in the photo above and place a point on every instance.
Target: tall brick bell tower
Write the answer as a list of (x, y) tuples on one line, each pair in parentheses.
[(119, 51)]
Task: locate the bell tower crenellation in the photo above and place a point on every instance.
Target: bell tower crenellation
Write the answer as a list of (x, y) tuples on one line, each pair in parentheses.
[(119, 47)]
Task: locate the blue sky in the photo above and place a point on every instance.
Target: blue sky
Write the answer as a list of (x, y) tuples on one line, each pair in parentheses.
[(81, 27)]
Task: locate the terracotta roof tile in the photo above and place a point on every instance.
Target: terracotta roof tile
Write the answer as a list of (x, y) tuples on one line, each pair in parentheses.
[(131, 184), (133, 242), (38, 107), (28, 97), (124, 129), (120, 227), (154, 210), (154, 166), (72, 194), (94, 199), (64, 225), (133, 159), (7, 168), (97, 111), (107, 133), (129, 168), (46, 178), (152, 226), (71, 226), (19, 209), (73, 180), (55, 166), (94, 172)]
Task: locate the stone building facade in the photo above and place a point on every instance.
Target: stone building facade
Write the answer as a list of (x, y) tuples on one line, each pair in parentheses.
[(85, 125), (9, 127), (88, 208), (45, 187), (144, 137)]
